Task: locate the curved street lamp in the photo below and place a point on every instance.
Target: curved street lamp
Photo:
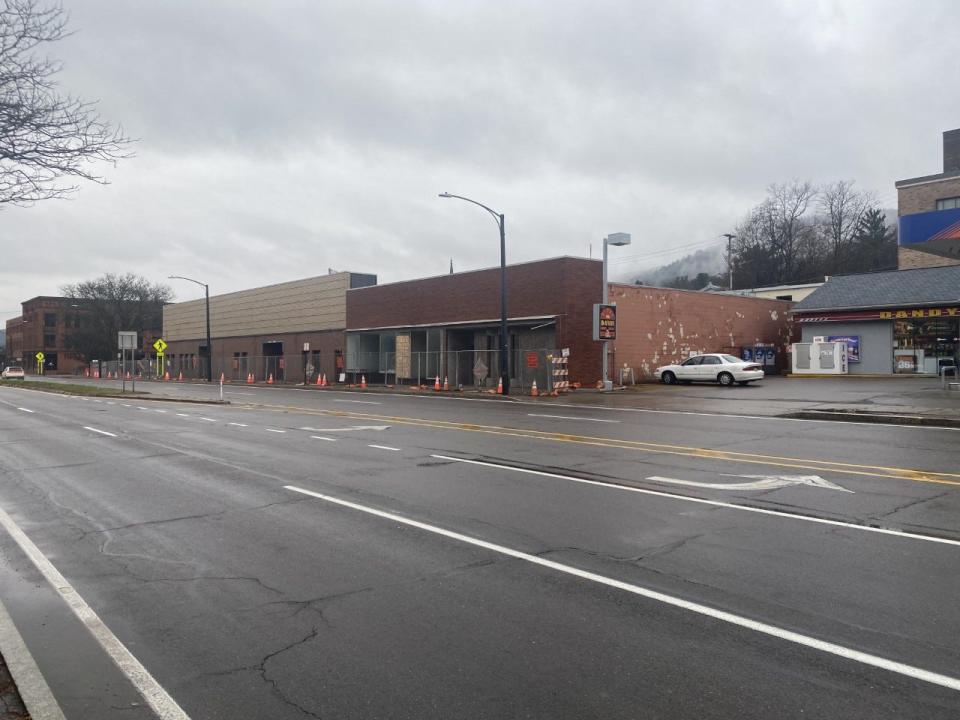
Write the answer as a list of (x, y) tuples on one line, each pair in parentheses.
[(504, 349), (206, 291)]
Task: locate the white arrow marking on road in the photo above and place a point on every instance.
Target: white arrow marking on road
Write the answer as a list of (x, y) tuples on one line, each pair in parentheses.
[(346, 429), (760, 482)]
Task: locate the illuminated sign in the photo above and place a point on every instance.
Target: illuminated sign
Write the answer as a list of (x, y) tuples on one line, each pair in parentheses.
[(604, 322), (904, 314)]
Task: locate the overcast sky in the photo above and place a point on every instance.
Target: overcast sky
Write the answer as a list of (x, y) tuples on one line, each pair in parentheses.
[(280, 139)]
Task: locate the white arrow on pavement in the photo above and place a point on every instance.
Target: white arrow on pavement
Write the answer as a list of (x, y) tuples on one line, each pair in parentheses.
[(760, 482), (346, 429)]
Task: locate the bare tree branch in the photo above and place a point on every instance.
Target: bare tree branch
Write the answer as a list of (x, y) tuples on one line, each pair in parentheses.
[(45, 137)]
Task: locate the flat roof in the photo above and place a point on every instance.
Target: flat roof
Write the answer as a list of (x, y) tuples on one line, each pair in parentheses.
[(923, 180)]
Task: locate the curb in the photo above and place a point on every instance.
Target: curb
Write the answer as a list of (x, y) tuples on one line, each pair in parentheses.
[(876, 418), (27, 677)]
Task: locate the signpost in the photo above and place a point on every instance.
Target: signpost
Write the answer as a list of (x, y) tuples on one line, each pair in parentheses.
[(159, 346), (605, 330), (39, 357), (127, 340)]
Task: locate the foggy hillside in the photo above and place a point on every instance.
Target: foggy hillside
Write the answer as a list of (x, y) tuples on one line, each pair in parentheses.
[(710, 260)]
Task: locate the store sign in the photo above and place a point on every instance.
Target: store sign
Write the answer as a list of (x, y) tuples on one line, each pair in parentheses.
[(853, 345), (904, 314), (604, 322)]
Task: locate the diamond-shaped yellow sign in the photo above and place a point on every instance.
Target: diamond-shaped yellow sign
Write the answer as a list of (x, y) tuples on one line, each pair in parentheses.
[(39, 356), (159, 345)]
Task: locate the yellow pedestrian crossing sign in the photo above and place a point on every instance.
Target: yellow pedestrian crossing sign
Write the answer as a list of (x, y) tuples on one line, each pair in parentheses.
[(39, 357), (160, 346)]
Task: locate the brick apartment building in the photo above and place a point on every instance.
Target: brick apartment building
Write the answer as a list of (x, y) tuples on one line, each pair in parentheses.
[(929, 213), (45, 325)]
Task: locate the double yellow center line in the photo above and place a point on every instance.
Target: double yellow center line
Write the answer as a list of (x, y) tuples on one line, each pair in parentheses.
[(650, 447)]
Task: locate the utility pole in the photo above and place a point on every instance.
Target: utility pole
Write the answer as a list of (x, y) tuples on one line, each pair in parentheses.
[(729, 237)]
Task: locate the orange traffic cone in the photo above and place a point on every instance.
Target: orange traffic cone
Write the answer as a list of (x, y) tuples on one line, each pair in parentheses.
[(270, 379), (249, 378), (436, 384), (363, 382), (325, 383), (533, 390), (86, 372), (500, 386), (128, 374), (446, 383), (166, 376), (180, 376), (223, 379), (319, 381)]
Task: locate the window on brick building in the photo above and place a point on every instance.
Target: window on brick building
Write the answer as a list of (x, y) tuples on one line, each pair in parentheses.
[(49, 341), (948, 203), (49, 319)]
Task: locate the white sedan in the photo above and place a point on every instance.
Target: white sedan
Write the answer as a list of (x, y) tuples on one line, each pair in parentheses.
[(712, 367), (12, 372)]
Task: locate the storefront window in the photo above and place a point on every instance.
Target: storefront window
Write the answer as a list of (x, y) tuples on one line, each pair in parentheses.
[(925, 345)]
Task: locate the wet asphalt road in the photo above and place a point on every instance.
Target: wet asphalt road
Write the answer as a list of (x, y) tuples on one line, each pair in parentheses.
[(333, 555)]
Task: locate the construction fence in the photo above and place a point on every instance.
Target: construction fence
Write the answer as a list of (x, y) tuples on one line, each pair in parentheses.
[(460, 369)]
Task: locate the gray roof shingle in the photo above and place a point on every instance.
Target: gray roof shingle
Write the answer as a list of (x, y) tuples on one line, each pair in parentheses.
[(896, 288)]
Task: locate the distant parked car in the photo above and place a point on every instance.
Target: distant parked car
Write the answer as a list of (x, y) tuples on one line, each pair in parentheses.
[(712, 367), (12, 372)]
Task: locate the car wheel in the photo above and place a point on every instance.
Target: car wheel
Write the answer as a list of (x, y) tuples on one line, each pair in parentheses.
[(725, 379), (669, 378)]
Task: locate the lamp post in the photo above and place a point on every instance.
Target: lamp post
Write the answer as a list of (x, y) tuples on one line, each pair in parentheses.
[(504, 350), (206, 291), (619, 240), (729, 237)]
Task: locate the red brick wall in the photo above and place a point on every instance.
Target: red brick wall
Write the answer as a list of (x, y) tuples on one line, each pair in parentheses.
[(565, 287), (657, 326)]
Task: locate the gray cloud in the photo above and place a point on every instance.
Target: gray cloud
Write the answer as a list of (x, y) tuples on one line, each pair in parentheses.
[(283, 138)]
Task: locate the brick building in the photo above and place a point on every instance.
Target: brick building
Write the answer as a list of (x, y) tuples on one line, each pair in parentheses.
[(263, 330), (45, 326), (444, 325), (657, 326), (929, 213)]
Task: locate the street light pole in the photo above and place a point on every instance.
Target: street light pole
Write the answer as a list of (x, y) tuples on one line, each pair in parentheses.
[(729, 237), (206, 293), (618, 239), (504, 348)]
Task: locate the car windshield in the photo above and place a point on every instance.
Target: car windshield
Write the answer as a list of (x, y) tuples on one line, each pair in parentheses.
[(731, 359)]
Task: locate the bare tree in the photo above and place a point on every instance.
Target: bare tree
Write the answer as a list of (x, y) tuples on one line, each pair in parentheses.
[(843, 209), (44, 136), (112, 303)]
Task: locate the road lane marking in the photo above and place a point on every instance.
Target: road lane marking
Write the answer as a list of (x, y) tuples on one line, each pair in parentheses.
[(139, 407), (30, 682), (157, 698), (571, 417), (864, 658), (110, 402), (183, 415), (25, 410), (320, 437), (238, 424), (276, 431), (102, 432), (758, 482), (208, 419), (346, 429), (159, 410), (125, 404), (385, 447), (704, 501), (926, 476), (359, 402)]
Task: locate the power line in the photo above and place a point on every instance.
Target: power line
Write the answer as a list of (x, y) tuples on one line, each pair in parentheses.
[(666, 251)]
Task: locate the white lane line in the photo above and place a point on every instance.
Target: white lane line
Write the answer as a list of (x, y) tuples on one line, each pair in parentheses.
[(102, 432), (320, 437), (237, 424), (359, 402), (703, 501), (158, 698), (140, 407), (385, 447), (183, 415), (276, 431), (25, 410), (125, 404), (772, 630), (33, 688), (110, 402), (158, 410), (571, 417), (208, 419)]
